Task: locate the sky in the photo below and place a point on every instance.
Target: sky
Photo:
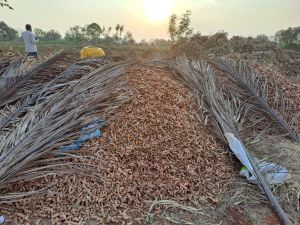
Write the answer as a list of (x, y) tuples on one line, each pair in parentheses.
[(148, 19)]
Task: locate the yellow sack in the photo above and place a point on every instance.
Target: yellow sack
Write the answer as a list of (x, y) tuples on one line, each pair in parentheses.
[(91, 52)]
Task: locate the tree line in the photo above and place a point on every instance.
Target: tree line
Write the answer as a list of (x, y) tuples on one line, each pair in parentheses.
[(288, 36), (91, 32), (94, 32), (180, 29)]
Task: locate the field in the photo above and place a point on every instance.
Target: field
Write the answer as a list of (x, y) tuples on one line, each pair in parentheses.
[(46, 47), (163, 155)]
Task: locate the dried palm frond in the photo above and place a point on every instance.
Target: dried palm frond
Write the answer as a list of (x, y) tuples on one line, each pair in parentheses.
[(188, 73), (12, 68), (6, 62), (9, 114), (225, 112), (12, 114), (56, 121), (257, 89), (81, 68), (14, 72), (18, 76)]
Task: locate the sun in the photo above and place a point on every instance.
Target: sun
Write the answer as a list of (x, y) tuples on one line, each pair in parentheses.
[(157, 10)]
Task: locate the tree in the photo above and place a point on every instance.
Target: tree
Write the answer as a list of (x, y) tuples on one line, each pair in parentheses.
[(4, 3), (39, 33), (116, 36), (128, 38), (262, 38), (173, 27), (52, 35), (7, 33), (121, 30), (297, 34), (117, 28), (183, 29), (288, 36), (109, 30), (93, 31), (103, 31), (75, 33), (278, 35), (107, 33)]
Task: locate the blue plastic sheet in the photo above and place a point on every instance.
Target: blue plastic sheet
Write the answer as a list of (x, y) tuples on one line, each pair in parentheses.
[(87, 133)]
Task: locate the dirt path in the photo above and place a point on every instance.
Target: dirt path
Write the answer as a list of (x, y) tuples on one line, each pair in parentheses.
[(154, 148)]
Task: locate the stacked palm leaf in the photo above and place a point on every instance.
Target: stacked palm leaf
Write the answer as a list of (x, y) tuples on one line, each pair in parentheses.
[(15, 71), (6, 62), (256, 89), (226, 110), (30, 149), (28, 96), (19, 76), (266, 99)]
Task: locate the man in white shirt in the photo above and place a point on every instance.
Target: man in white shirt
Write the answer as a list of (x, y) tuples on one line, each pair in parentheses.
[(30, 41)]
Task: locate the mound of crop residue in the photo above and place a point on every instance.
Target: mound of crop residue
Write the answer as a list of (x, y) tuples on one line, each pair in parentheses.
[(155, 147)]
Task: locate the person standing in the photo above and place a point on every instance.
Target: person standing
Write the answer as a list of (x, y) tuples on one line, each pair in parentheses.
[(30, 41)]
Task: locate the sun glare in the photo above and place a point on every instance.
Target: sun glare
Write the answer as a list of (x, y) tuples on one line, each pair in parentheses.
[(157, 10)]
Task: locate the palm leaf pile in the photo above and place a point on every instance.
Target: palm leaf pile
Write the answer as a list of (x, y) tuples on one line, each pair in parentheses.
[(18, 78), (28, 97), (52, 116), (256, 89), (6, 62), (229, 112), (40, 114), (153, 148)]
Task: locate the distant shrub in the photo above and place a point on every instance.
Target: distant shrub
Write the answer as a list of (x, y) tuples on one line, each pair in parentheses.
[(7, 33)]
